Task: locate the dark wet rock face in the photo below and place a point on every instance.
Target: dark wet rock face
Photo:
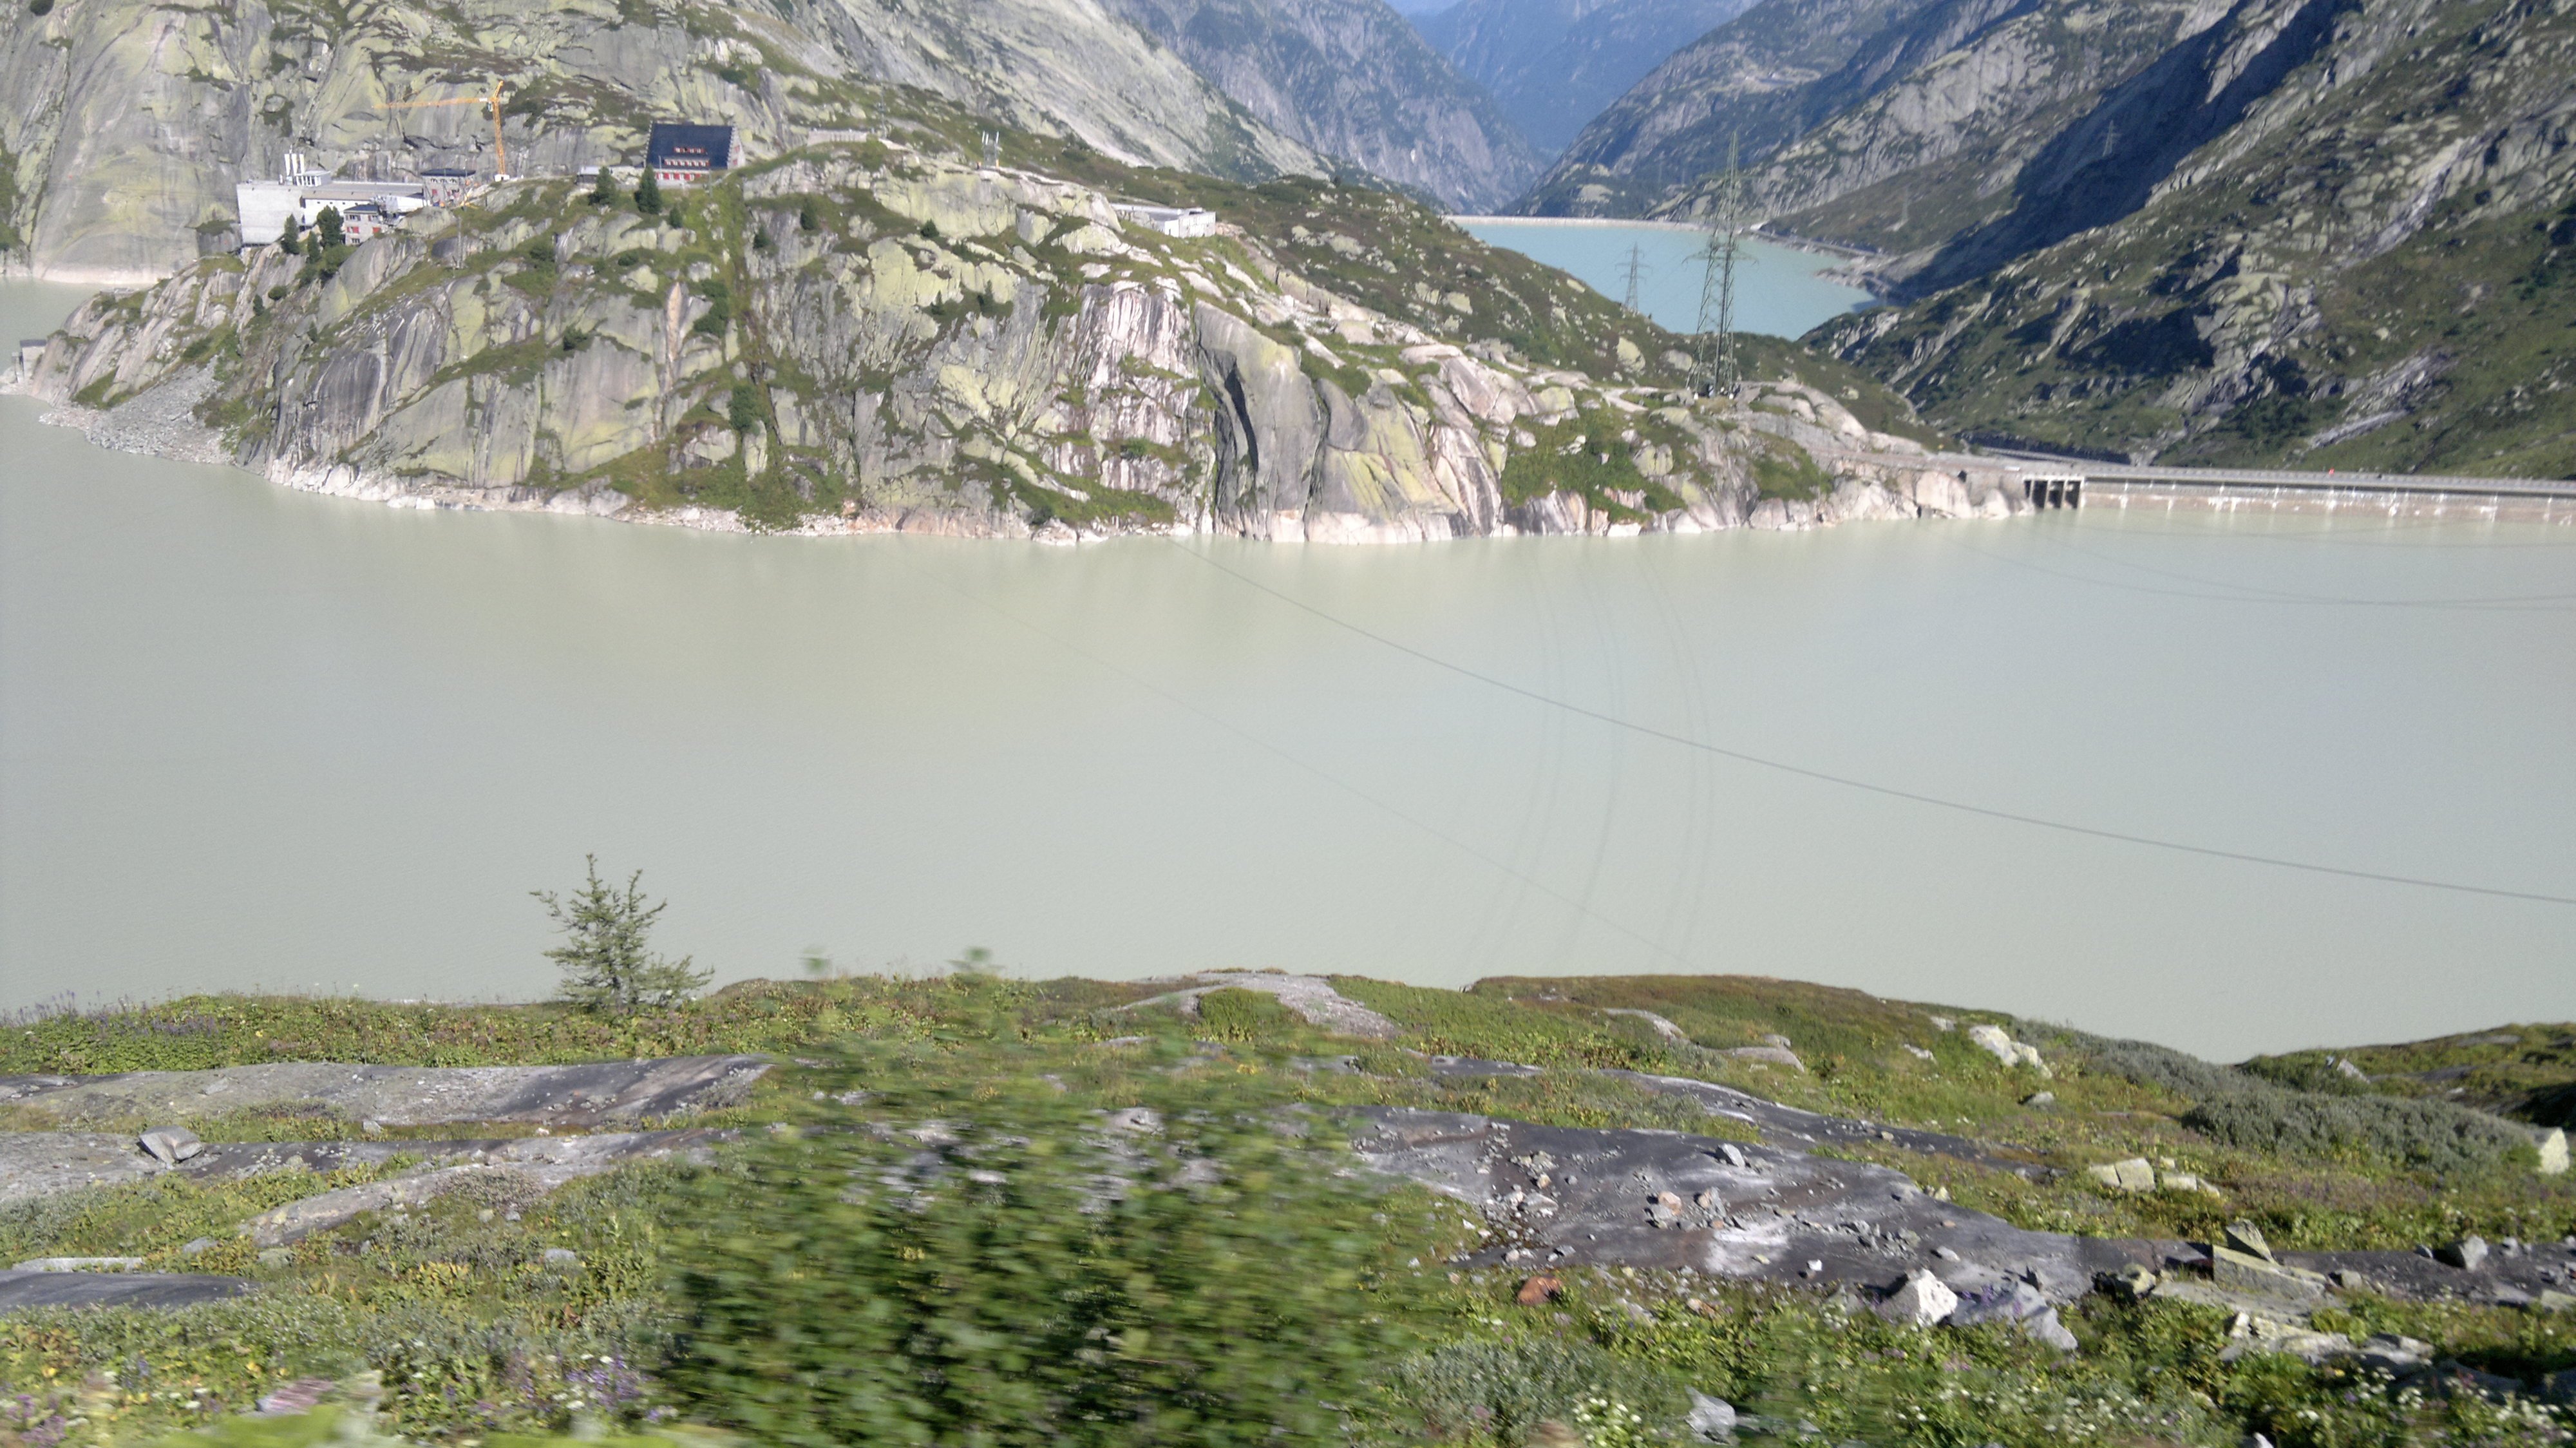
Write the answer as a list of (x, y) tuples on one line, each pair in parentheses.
[(1571, 1196), (1564, 1197), (21, 1290)]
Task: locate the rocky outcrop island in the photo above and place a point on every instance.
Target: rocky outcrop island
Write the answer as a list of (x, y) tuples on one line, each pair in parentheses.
[(872, 333)]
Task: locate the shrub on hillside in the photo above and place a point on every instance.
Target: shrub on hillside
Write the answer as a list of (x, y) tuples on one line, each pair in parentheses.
[(996, 1267), (2247, 1112), (1488, 1391)]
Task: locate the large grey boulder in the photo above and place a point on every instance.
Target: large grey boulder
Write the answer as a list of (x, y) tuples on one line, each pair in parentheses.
[(1711, 1420), (2468, 1253), (1924, 1300), (171, 1145)]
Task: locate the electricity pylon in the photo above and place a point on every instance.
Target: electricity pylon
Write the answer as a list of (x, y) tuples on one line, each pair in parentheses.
[(1633, 270), (1718, 370)]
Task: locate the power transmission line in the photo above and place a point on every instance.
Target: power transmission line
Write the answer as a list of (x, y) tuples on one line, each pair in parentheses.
[(1632, 270), (1886, 790), (1719, 372)]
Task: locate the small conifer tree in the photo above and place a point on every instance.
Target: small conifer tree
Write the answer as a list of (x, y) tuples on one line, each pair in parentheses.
[(291, 240), (603, 190), (606, 966), (326, 228), (648, 193)]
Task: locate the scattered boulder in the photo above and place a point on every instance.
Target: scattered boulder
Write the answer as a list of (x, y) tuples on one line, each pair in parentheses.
[(2553, 1151), (2016, 1301), (562, 1257), (2345, 1068), (2468, 1254), (2133, 1283), (2045, 1327), (1539, 1290), (78, 1264), (171, 1145), (1772, 1055), (2136, 1174), (1994, 1041), (2244, 1264), (1663, 1027), (2040, 1098), (2389, 1353), (1921, 1300), (1711, 1420), (2245, 1237)]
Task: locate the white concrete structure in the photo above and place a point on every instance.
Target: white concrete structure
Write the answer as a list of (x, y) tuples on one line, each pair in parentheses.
[(367, 208), (1172, 220)]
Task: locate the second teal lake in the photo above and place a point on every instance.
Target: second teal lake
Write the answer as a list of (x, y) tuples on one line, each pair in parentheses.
[(1777, 289)]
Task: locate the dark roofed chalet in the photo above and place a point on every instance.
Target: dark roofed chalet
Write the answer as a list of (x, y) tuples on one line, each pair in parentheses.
[(680, 154)]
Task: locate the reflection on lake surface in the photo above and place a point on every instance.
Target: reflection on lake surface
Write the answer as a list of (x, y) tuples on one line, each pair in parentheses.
[(1777, 290), (252, 737)]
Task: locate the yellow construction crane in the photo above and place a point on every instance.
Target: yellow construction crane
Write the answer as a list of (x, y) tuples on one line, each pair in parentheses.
[(500, 157)]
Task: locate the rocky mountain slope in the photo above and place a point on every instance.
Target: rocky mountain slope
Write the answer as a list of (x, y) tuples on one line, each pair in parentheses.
[(1352, 80), (133, 119), (2346, 236), (2268, 230), (1828, 98), (863, 335), (1554, 64)]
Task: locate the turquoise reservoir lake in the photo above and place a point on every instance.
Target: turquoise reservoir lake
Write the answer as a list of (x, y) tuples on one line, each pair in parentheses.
[(256, 738), (1777, 289)]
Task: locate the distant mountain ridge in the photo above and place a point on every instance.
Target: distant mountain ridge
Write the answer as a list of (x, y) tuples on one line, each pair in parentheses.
[(1351, 79), (107, 188), (2308, 230), (1552, 65)]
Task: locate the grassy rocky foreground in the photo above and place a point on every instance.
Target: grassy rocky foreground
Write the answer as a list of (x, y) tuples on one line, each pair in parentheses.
[(868, 334), (972, 1209)]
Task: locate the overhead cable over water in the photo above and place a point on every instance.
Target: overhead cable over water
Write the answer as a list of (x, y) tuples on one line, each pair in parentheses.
[(1888, 791)]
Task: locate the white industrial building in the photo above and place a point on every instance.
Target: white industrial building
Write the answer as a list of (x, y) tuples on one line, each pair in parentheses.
[(1172, 220), (367, 208)]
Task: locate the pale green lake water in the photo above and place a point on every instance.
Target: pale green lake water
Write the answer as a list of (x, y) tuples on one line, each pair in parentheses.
[(1777, 290), (255, 738)]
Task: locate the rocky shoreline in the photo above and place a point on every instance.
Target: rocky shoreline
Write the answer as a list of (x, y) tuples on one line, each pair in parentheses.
[(162, 422), (881, 340)]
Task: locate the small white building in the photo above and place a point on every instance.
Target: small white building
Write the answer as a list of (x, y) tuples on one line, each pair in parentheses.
[(1172, 220)]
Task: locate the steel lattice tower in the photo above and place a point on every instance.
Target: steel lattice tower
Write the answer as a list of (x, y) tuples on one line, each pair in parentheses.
[(1718, 369), (1632, 270)]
